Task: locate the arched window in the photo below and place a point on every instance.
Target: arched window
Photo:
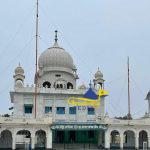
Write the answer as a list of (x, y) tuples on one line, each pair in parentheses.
[(115, 139), (61, 86), (40, 136), (57, 86), (69, 85), (6, 139), (47, 84), (22, 135), (129, 142), (101, 84), (143, 138)]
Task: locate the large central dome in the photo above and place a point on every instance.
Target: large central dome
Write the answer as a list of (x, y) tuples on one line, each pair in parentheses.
[(56, 56)]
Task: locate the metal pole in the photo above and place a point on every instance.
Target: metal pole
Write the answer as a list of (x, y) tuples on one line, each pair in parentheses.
[(129, 111), (36, 47)]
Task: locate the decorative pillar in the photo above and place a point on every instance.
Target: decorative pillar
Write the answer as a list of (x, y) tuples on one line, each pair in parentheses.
[(49, 139), (137, 140), (33, 141), (121, 140), (13, 141), (148, 142), (107, 140), (100, 137)]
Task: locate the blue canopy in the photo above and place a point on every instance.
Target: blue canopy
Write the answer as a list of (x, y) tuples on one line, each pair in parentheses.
[(90, 94)]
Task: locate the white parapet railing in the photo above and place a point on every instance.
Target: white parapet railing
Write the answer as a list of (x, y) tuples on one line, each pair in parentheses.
[(140, 121), (14, 120)]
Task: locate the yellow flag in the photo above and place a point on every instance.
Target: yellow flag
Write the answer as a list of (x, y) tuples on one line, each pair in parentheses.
[(102, 93)]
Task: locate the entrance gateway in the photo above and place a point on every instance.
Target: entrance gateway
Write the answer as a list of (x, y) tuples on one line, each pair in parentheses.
[(76, 135)]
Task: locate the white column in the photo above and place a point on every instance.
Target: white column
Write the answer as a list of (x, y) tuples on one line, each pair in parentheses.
[(107, 140), (137, 140), (49, 139), (148, 142), (14, 141), (148, 107), (121, 140), (100, 138), (32, 141)]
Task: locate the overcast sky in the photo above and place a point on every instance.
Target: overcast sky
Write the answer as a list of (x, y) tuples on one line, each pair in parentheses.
[(97, 33)]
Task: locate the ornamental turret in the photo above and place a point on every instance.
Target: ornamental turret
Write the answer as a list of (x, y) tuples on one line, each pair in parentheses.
[(82, 87), (98, 80), (19, 76)]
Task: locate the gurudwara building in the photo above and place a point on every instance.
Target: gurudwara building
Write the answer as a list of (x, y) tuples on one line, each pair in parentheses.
[(59, 125)]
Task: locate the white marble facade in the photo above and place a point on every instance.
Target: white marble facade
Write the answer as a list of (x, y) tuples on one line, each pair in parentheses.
[(57, 76)]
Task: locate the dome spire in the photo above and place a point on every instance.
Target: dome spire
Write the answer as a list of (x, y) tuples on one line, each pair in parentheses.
[(56, 34), (56, 39), (90, 84)]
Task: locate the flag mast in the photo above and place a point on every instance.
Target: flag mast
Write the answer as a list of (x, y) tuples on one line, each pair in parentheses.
[(36, 59), (129, 110)]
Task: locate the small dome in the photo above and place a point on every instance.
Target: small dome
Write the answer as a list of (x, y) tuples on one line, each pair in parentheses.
[(82, 87), (56, 56), (98, 74), (19, 70)]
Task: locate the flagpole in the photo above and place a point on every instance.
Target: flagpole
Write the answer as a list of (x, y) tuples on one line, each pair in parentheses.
[(36, 59), (129, 110)]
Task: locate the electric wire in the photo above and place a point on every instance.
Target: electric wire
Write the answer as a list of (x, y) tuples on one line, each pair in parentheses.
[(12, 39), (5, 89), (142, 95), (138, 87), (121, 94), (22, 49), (14, 59), (116, 106), (16, 33)]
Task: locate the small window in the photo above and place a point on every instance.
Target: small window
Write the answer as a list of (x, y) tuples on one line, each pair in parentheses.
[(57, 86), (28, 109), (91, 111), (47, 84), (58, 75), (72, 110), (48, 110), (69, 85), (61, 86), (60, 110)]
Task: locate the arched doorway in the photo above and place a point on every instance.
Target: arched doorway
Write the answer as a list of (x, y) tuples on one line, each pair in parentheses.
[(40, 139), (47, 84), (129, 139), (6, 140), (69, 85), (23, 139), (143, 139), (115, 139)]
